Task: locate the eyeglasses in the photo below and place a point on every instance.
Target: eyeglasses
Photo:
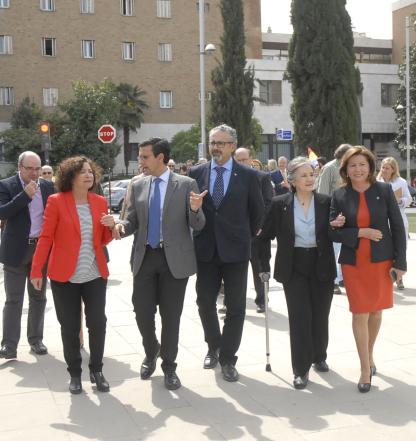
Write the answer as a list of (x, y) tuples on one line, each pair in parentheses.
[(46, 173), (171, 165), (219, 143), (32, 169)]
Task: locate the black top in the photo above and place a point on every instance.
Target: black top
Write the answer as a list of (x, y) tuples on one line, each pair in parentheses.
[(384, 216)]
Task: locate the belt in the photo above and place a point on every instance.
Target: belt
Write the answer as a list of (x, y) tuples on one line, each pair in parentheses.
[(158, 247), (32, 240)]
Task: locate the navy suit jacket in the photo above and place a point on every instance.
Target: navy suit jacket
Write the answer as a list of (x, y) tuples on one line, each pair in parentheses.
[(277, 179), (229, 228), (15, 211)]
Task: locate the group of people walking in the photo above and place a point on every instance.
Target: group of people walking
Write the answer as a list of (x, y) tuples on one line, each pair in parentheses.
[(212, 223)]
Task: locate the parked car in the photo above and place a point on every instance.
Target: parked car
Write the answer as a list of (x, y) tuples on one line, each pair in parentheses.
[(412, 191), (118, 193)]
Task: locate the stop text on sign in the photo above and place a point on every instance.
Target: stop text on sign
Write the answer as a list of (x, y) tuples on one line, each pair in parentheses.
[(107, 133)]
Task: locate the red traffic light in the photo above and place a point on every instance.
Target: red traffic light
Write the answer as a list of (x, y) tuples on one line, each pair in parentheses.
[(44, 127)]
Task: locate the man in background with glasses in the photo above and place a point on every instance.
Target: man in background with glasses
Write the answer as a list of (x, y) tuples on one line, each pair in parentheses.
[(47, 173), (23, 198), (233, 211)]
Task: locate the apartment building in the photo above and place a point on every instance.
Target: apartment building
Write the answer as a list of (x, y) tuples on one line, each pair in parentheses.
[(400, 10), (380, 82), (154, 44)]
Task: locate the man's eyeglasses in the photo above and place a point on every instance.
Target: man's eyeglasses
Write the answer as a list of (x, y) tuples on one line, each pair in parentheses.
[(171, 166), (219, 143), (46, 173), (32, 169)]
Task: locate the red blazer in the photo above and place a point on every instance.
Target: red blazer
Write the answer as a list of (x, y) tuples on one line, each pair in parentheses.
[(61, 232)]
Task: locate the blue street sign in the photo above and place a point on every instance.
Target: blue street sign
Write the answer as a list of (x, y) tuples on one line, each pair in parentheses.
[(284, 135)]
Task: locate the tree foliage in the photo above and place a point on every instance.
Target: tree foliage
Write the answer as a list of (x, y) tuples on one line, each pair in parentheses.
[(400, 106), (184, 145), (131, 114), (325, 84), (233, 101)]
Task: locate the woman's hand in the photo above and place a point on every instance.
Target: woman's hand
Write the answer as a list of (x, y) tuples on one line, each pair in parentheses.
[(118, 231), (338, 222), (370, 233), (37, 283), (399, 273), (108, 220)]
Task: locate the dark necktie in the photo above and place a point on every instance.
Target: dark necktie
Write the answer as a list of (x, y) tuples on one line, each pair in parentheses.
[(218, 191), (153, 227)]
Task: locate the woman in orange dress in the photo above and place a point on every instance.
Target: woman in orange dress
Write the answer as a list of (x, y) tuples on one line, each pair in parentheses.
[(373, 250)]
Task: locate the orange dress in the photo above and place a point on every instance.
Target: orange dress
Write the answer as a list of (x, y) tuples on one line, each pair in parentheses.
[(368, 284)]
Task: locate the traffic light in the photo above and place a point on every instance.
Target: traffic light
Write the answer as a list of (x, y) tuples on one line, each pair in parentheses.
[(45, 136)]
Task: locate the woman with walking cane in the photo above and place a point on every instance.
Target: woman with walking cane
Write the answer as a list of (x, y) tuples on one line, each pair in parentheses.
[(305, 265)]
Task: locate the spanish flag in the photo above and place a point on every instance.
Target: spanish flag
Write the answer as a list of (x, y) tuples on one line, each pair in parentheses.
[(311, 154)]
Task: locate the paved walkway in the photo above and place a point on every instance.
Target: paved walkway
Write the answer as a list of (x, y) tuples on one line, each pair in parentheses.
[(35, 404)]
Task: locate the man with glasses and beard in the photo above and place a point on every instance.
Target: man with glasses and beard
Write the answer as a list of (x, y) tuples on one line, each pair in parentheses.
[(22, 202), (233, 210)]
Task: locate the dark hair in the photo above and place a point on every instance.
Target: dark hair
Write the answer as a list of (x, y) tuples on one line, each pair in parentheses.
[(183, 168), (158, 145), (70, 167), (355, 151), (321, 160)]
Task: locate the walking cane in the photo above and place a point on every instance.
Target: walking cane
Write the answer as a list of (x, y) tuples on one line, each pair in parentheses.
[(265, 279)]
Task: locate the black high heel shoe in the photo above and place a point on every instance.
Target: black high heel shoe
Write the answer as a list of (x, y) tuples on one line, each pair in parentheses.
[(373, 370), (365, 387), (100, 381)]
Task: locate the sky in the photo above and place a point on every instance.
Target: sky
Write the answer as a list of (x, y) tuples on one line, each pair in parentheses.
[(370, 16)]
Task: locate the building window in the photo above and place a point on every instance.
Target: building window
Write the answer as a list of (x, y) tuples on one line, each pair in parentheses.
[(165, 52), (4, 3), (47, 5), (389, 94), (48, 47), (87, 6), (50, 96), (127, 7), (6, 96), (128, 50), (270, 92), (166, 99), (6, 45), (164, 8), (206, 6), (88, 48)]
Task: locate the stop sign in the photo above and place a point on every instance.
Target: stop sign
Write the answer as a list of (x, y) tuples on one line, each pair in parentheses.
[(106, 133)]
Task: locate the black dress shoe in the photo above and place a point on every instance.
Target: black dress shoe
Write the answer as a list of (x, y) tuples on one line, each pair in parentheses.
[(75, 386), (100, 381), (211, 359), (321, 366), (39, 348), (172, 381), (261, 308), (149, 365), (7, 352), (229, 372), (301, 381)]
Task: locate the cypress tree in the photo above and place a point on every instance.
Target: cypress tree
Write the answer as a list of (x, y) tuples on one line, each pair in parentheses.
[(325, 83), (232, 101)]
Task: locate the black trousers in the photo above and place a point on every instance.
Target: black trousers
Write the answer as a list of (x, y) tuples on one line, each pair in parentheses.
[(16, 278), (209, 277), (67, 298), (255, 267), (155, 285), (308, 303)]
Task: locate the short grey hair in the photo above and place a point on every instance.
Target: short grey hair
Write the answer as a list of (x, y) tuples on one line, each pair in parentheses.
[(293, 166), (341, 150), (226, 129), (23, 155)]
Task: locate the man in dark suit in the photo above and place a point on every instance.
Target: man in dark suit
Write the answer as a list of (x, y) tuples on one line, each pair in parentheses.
[(243, 156), (22, 201), (233, 210), (163, 208)]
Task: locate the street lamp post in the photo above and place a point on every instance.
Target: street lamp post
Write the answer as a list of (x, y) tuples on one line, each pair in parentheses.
[(203, 50), (408, 100)]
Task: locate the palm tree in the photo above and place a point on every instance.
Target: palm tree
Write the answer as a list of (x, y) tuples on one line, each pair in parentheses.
[(131, 114)]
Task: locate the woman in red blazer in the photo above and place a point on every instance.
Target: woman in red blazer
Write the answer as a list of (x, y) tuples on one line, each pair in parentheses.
[(73, 236)]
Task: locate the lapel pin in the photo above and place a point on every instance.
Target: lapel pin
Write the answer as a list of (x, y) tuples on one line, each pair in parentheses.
[(235, 174), (378, 197), (284, 208)]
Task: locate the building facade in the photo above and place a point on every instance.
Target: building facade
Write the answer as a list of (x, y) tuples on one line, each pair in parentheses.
[(400, 10)]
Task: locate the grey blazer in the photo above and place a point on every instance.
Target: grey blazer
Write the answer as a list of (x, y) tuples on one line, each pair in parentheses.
[(177, 221)]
